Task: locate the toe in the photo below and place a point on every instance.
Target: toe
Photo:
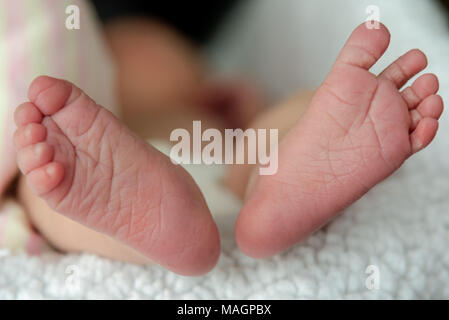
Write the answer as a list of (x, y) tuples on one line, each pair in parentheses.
[(31, 133), (44, 179), (72, 110), (365, 46), (34, 156), (49, 94), (404, 68), (424, 86), (431, 107), (27, 113), (424, 133)]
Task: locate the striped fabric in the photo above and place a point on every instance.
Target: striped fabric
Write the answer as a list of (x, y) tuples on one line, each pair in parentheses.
[(34, 41)]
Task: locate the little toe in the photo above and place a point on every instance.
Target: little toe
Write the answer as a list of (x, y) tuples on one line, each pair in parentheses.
[(424, 133), (424, 86), (44, 179), (405, 67), (27, 113), (34, 156), (31, 133), (49, 94)]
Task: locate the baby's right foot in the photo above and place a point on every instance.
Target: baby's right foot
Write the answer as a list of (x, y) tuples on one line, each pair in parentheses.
[(89, 167), (358, 129)]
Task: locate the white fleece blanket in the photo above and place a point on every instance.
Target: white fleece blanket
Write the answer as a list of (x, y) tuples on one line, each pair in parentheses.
[(401, 227)]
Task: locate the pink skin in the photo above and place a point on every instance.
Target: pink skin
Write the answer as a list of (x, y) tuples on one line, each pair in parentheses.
[(358, 130), (87, 166)]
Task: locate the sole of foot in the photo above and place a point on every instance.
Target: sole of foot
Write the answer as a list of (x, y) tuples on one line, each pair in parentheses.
[(88, 166), (359, 128)]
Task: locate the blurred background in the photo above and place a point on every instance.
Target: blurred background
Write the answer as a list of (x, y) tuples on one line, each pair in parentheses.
[(243, 35)]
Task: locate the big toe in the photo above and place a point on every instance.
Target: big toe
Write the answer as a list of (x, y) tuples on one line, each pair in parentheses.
[(365, 46), (49, 94)]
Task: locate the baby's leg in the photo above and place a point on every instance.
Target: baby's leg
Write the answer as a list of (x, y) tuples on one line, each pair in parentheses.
[(160, 72), (157, 67)]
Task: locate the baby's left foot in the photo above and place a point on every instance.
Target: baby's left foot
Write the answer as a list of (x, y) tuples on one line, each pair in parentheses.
[(91, 168), (358, 130)]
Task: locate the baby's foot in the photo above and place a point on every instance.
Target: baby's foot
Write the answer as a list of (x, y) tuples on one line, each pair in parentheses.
[(89, 167), (358, 130)]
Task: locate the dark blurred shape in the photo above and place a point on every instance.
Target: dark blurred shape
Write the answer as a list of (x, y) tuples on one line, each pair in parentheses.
[(195, 19), (445, 4)]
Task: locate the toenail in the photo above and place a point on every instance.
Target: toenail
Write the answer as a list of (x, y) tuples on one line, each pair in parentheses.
[(28, 132), (38, 148), (50, 170), (418, 145)]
